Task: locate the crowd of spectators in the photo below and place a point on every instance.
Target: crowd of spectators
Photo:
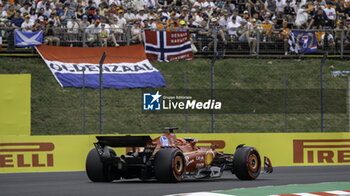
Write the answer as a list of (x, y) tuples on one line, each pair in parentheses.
[(106, 21)]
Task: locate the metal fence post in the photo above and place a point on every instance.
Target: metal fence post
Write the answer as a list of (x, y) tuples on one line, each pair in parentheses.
[(257, 42), (215, 35), (285, 116), (348, 94), (342, 44), (212, 82), (101, 91), (10, 39), (84, 103), (84, 37), (322, 88), (185, 112), (128, 35)]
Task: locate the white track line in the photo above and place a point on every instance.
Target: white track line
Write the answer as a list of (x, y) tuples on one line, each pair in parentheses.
[(338, 193), (343, 193), (198, 194)]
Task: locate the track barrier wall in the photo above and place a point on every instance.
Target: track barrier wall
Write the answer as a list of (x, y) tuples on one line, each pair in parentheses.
[(15, 104), (68, 153)]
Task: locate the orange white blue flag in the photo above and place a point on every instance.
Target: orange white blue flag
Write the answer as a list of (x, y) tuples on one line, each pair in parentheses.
[(124, 67)]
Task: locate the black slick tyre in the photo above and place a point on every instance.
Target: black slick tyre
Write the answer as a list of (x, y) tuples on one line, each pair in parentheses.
[(169, 165), (96, 170), (246, 163)]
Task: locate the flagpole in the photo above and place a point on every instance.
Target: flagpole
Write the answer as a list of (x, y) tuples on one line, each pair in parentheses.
[(101, 92)]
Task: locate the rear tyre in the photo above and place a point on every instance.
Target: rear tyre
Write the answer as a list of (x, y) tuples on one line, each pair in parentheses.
[(246, 163), (169, 165), (96, 170)]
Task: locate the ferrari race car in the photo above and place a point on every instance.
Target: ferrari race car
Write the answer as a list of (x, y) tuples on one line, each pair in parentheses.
[(168, 159)]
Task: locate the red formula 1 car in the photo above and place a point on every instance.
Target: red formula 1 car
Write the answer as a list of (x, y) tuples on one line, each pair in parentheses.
[(168, 159)]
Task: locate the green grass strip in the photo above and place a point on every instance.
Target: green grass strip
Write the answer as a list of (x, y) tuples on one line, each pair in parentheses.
[(287, 189)]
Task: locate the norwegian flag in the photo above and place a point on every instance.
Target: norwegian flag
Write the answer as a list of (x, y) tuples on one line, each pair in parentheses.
[(168, 46)]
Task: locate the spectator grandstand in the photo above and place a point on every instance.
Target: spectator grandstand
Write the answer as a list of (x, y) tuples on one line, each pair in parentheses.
[(246, 26)]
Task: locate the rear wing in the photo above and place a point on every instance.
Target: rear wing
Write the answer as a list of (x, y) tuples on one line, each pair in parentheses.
[(123, 141)]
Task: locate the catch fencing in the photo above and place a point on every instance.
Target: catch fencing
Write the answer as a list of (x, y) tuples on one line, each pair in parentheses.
[(268, 95), (207, 41), (277, 95)]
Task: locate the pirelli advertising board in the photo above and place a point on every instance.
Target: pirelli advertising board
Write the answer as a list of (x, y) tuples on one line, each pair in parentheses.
[(68, 153)]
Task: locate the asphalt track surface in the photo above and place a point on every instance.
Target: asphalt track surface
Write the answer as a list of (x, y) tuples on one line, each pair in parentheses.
[(77, 183)]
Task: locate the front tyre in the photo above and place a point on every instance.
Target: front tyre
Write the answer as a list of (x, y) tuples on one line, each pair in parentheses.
[(246, 163), (96, 170), (169, 165)]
